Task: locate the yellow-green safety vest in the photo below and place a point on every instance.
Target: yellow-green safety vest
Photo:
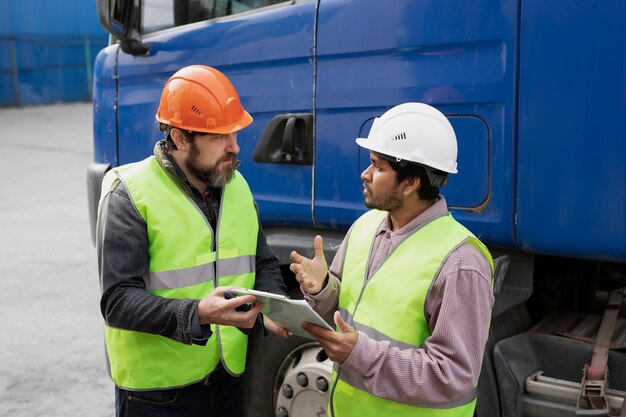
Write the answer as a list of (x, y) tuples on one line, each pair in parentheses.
[(390, 306), (184, 264)]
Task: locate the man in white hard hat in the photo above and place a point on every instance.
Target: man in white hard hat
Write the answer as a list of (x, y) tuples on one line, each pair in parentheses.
[(412, 286)]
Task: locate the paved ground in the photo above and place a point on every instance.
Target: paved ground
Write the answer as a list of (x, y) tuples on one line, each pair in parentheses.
[(51, 347)]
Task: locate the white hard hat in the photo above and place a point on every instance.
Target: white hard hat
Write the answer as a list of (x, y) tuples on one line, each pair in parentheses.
[(414, 132)]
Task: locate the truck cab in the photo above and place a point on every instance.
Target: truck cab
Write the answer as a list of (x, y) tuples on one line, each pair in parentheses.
[(536, 93)]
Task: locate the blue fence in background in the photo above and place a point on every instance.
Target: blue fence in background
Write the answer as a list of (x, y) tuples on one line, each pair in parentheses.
[(41, 69), (47, 49)]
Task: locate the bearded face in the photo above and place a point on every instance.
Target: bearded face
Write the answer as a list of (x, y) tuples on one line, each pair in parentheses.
[(380, 186), (382, 199), (215, 174)]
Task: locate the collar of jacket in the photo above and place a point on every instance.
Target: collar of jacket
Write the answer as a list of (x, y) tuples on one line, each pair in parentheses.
[(166, 161)]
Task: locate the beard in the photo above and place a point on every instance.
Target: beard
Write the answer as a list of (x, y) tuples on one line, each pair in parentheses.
[(213, 175), (388, 201)]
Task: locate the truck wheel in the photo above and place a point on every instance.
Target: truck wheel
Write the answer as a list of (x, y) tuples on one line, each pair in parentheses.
[(285, 377)]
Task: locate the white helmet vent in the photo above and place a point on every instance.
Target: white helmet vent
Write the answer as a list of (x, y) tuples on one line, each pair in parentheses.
[(399, 136)]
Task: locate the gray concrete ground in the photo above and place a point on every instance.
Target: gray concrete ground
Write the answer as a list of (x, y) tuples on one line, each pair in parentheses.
[(51, 346)]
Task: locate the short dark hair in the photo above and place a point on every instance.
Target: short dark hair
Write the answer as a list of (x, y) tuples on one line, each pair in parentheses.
[(169, 143), (408, 170)]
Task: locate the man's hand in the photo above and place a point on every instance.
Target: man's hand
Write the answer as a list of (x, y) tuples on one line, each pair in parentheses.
[(338, 346), (275, 328), (310, 273), (216, 309)]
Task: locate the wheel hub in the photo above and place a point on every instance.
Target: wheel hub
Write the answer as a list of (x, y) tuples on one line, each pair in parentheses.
[(303, 382)]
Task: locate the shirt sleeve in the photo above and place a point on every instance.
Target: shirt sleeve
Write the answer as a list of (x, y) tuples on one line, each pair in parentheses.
[(200, 333), (448, 365), (123, 259)]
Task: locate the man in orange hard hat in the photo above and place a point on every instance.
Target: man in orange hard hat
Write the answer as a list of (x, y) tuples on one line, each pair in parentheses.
[(175, 232)]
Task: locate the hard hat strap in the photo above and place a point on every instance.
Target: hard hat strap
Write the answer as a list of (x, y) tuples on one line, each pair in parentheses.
[(401, 162), (436, 178)]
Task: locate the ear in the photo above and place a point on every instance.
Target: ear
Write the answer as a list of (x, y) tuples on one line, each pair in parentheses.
[(411, 185), (178, 138)]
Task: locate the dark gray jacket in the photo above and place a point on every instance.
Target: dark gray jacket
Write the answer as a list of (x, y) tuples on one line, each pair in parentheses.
[(123, 259)]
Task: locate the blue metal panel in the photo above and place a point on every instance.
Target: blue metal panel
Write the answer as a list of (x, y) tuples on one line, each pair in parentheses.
[(6, 21), (470, 189), (572, 129), (54, 17), (456, 56), (267, 54), (105, 107), (6, 72), (52, 69), (55, 44), (7, 97), (7, 88)]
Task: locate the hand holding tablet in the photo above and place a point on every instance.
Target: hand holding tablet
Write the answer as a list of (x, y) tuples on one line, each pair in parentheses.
[(290, 314)]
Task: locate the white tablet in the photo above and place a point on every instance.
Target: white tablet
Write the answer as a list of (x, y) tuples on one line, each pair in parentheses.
[(287, 312)]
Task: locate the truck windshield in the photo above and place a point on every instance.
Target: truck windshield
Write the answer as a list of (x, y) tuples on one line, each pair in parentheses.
[(162, 14)]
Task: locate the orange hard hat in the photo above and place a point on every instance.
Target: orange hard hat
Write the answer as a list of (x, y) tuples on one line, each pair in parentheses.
[(199, 98)]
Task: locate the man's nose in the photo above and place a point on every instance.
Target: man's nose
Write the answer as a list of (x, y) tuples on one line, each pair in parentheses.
[(231, 143), (366, 174)]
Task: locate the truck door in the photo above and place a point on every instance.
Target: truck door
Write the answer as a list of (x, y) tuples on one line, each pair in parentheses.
[(265, 49), (456, 57)]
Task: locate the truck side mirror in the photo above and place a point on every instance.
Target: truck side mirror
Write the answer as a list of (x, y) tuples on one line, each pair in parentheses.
[(120, 19)]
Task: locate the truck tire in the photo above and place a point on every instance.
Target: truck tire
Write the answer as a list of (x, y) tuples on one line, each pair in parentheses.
[(284, 377)]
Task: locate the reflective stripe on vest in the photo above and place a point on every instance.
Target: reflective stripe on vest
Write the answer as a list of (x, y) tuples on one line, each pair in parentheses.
[(184, 264), (390, 306)]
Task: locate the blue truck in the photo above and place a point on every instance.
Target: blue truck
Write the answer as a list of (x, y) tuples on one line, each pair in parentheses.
[(536, 92)]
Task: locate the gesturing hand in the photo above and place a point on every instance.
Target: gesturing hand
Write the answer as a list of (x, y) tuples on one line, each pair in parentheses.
[(310, 273)]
